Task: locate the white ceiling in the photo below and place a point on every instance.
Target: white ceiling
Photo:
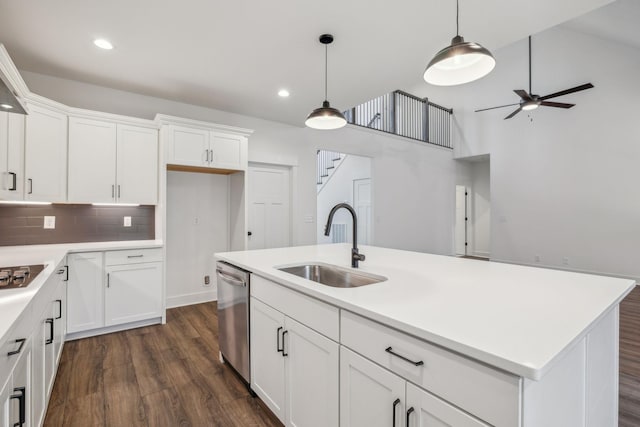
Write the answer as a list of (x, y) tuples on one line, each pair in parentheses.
[(234, 55)]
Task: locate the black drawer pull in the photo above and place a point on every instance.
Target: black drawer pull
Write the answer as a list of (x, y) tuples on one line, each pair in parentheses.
[(50, 322), (21, 403), (280, 350), (135, 256), (284, 353), (409, 412), (20, 341), (395, 403), (14, 183), (59, 301), (390, 351)]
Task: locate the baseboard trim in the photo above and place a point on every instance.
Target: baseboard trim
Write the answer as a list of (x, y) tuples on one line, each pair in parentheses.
[(481, 254), (115, 328), (190, 299)]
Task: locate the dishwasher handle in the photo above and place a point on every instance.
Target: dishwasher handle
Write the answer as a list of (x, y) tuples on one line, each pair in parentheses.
[(230, 279)]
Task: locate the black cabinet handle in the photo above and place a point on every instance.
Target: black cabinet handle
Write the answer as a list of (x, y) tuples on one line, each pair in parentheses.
[(249, 233), (14, 184), (284, 353), (50, 322), (59, 301), (66, 279), (395, 404), (278, 340), (20, 341), (61, 271), (409, 412), (22, 404), (390, 351), (30, 186)]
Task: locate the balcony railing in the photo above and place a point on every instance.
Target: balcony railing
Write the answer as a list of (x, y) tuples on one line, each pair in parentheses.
[(403, 114)]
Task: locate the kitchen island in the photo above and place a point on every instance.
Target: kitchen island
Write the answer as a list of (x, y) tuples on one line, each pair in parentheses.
[(500, 344)]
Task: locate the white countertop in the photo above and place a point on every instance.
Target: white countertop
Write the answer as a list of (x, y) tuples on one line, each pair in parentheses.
[(519, 319), (13, 302)]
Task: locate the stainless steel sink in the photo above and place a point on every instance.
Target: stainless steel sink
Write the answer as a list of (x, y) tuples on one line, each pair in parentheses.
[(331, 275)]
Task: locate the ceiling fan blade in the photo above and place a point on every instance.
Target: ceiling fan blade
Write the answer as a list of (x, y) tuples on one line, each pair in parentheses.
[(567, 91), (556, 104), (523, 94), (493, 108), (513, 114)]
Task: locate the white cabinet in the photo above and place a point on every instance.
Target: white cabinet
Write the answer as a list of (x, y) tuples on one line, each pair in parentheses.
[(133, 292), (112, 163), (85, 292), (370, 396), (11, 156), (426, 410), (45, 155), (113, 288), (294, 369), (206, 148), (19, 411)]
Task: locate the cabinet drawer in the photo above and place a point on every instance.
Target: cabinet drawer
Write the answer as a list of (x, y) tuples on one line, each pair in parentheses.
[(323, 318), (491, 395), (133, 256), (21, 330)]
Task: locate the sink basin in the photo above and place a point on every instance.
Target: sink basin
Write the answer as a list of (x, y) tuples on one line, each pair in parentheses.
[(331, 275)]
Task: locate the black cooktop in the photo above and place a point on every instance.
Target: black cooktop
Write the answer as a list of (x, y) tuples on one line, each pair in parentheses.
[(20, 276)]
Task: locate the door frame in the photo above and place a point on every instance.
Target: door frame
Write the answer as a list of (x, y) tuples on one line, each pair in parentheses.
[(371, 213), (293, 199), (466, 221)]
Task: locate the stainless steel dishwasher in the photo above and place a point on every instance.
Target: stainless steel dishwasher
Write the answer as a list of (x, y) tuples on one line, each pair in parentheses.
[(233, 317)]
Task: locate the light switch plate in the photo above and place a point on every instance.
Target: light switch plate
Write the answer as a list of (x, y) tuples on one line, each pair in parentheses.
[(127, 221), (50, 222)]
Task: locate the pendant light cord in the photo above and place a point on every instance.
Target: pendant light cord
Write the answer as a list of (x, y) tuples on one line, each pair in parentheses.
[(326, 61), (529, 65), (457, 18)]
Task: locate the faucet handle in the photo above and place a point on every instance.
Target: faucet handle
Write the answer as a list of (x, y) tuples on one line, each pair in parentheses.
[(358, 256)]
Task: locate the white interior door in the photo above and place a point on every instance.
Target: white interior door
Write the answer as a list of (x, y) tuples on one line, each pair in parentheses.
[(269, 207), (362, 206), (461, 220)]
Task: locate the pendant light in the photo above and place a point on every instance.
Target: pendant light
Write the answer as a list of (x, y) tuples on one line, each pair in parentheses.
[(461, 62), (325, 117)]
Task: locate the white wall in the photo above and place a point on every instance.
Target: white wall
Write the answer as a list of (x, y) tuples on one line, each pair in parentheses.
[(414, 182), (191, 214), (339, 189), (564, 183), (480, 215)]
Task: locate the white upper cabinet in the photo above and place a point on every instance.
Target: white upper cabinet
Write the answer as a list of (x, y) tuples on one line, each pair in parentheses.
[(137, 165), (92, 161), (206, 148), (45, 155), (11, 156), (112, 163)]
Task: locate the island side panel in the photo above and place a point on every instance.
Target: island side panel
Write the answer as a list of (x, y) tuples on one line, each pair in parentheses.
[(581, 390)]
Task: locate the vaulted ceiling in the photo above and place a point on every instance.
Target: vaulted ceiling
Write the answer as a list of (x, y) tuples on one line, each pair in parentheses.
[(236, 55)]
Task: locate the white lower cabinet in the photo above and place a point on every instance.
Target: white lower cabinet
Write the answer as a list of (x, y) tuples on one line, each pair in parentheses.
[(113, 288), (84, 292), (294, 370), (426, 410), (133, 292), (15, 395)]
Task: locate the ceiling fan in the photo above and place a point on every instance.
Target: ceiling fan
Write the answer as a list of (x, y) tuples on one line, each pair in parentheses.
[(529, 101)]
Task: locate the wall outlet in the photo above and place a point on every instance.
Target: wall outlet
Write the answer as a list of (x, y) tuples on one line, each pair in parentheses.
[(50, 222), (127, 221), (536, 258), (207, 280)]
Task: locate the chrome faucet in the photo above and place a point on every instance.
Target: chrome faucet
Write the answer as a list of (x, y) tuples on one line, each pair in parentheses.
[(355, 256)]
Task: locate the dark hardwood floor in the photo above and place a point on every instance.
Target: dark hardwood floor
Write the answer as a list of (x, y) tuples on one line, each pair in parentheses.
[(161, 375), (169, 375), (630, 360)]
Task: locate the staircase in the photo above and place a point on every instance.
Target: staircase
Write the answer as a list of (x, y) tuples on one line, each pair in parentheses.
[(327, 163)]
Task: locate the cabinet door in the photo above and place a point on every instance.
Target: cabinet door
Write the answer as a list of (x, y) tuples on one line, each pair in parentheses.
[(133, 292), (11, 156), (85, 300), (370, 396), (21, 390), (60, 318), (45, 155), (137, 165), (228, 151), (92, 161), (267, 361), (426, 410), (188, 147), (312, 377), (38, 371), (6, 390)]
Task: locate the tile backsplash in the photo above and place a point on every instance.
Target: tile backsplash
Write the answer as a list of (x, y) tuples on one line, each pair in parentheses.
[(24, 224)]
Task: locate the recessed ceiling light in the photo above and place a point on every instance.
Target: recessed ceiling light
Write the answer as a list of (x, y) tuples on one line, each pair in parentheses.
[(6, 106), (103, 44), (283, 93)]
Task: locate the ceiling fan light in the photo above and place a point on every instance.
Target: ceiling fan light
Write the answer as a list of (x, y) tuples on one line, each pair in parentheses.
[(459, 63), (530, 105), (325, 118)]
